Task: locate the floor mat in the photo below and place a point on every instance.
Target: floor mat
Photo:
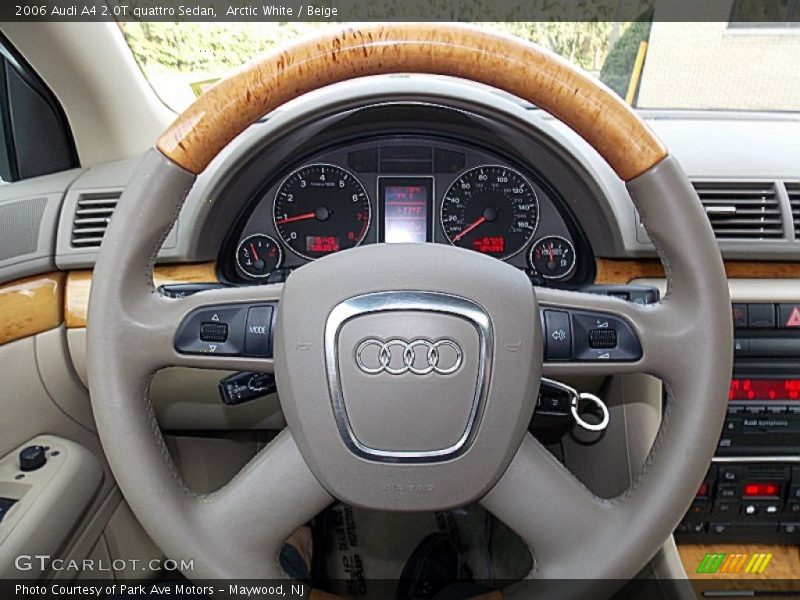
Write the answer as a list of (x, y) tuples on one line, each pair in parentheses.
[(364, 551)]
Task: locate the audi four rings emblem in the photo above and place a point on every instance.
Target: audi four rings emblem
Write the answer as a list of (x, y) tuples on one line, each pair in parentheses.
[(418, 357)]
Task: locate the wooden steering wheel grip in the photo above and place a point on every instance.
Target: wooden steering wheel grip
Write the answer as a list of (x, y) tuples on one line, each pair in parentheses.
[(501, 61)]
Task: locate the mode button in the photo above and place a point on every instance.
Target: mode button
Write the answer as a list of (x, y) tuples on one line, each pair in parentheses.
[(258, 331)]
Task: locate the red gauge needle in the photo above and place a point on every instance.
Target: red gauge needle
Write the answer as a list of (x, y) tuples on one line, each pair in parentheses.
[(302, 217), (552, 254), (469, 228), (253, 248)]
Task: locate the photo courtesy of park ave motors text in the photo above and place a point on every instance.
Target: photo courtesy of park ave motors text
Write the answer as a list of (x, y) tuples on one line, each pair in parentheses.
[(489, 299)]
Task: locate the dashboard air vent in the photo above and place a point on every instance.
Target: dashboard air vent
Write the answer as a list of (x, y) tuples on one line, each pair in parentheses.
[(92, 214), (741, 210), (793, 189)]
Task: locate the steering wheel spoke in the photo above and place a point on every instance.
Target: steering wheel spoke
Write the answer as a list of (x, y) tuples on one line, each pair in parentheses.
[(267, 501), (225, 328), (559, 511), (593, 334)]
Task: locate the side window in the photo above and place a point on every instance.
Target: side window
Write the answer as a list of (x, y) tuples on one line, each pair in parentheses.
[(35, 138), (765, 13)]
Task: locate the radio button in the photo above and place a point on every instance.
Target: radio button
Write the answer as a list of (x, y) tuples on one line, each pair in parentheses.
[(739, 312), (728, 492), (719, 528), (761, 316), (741, 347), (790, 528), (732, 426), (730, 474), (750, 510), (726, 508)]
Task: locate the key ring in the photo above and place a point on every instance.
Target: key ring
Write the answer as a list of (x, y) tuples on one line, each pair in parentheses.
[(574, 405), (575, 398)]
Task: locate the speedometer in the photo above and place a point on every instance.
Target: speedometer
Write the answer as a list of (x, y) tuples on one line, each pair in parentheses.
[(490, 209), (320, 209)]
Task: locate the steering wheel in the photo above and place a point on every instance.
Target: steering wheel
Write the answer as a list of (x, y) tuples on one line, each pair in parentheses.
[(408, 440)]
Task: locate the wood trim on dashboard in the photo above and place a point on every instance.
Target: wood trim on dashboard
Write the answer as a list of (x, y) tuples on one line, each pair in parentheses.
[(30, 306), (784, 564), (79, 283), (468, 52), (620, 272), (609, 272)]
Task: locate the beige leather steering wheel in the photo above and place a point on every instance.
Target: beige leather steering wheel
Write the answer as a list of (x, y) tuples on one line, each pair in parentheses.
[(410, 290)]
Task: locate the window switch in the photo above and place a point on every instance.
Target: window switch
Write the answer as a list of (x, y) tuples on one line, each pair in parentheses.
[(213, 331)]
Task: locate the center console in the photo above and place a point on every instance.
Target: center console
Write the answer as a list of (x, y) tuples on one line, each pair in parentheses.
[(752, 490)]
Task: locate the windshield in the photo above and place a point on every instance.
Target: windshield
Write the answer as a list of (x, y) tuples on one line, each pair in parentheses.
[(654, 65)]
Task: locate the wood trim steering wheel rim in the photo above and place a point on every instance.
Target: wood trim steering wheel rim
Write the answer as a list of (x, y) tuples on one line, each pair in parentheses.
[(479, 55)]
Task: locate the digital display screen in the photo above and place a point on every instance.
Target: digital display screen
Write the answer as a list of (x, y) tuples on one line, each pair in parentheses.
[(764, 389), (322, 243), (406, 204), (490, 244)]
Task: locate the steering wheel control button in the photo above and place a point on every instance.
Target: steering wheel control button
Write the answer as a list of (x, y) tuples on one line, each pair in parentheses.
[(258, 332), (583, 336), (194, 337), (558, 335), (603, 338), (32, 458), (213, 332), (625, 346)]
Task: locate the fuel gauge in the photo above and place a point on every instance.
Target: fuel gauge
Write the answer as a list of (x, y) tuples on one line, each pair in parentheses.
[(258, 255), (553, 257)]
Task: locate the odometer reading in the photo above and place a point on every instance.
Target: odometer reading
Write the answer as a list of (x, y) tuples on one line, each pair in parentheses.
[(492, 210), (320, 209)]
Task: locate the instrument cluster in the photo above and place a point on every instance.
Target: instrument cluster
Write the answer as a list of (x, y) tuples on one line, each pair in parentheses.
[(407, 189)]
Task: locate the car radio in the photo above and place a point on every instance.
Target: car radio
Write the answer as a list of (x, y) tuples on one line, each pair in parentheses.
[(751, 493)]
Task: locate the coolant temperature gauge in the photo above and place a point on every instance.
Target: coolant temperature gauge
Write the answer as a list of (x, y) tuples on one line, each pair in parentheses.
[(553, 257), (258, 255)]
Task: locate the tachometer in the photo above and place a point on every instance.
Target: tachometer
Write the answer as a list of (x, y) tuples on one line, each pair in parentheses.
[(320, 209), (490, 209)]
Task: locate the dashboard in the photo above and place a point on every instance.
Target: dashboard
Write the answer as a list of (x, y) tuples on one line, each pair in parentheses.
[(402, 188)]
